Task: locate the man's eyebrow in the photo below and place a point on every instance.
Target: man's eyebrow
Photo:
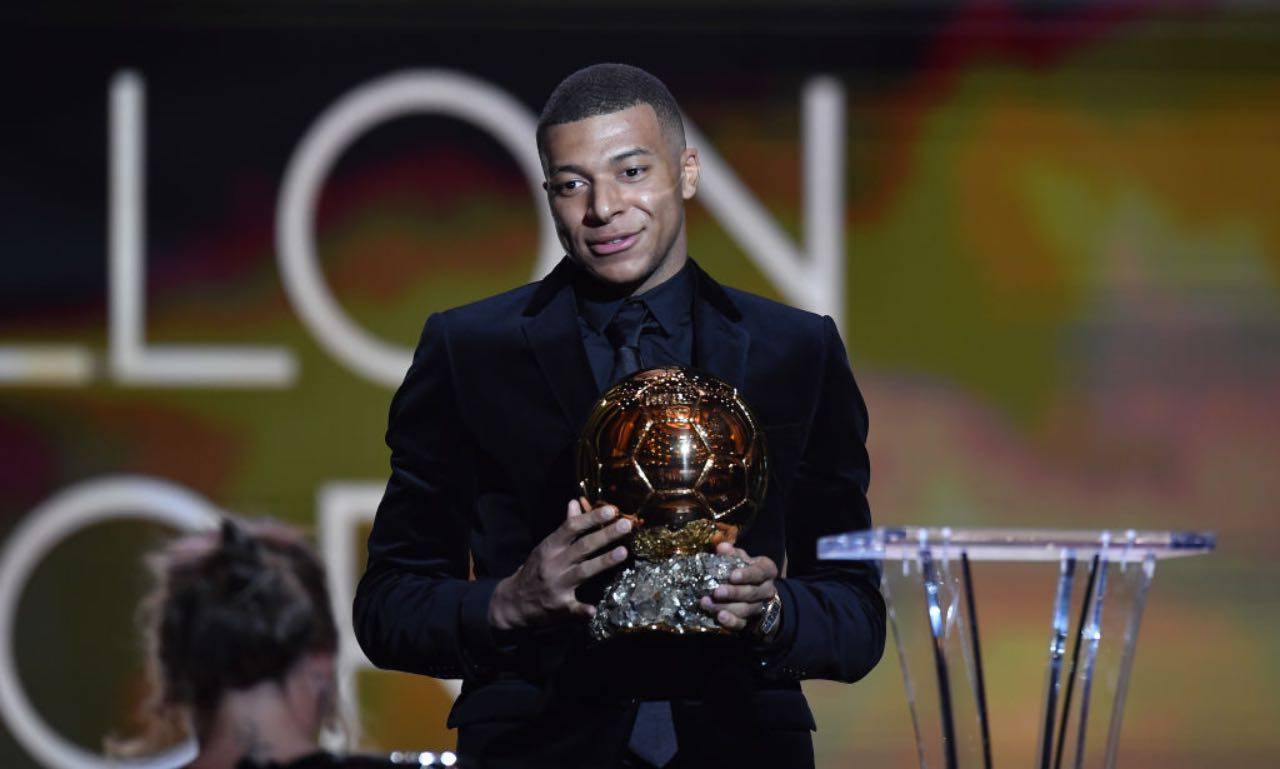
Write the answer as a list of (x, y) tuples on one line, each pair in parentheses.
[(630, 152), (570, 168)]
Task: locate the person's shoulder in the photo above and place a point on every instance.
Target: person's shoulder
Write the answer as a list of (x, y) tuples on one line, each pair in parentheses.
[(506, 306), (774, 315), (794, 336), (484, 321)]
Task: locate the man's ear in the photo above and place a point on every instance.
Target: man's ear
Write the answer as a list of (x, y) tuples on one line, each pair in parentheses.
[(689, 170)]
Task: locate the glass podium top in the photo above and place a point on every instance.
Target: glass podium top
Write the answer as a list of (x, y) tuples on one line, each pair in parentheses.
[(894, 543)]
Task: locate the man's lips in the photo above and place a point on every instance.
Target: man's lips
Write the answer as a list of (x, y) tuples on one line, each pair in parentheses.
[(613, 245)]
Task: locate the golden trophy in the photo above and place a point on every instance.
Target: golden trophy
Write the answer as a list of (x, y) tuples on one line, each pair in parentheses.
[(679, 453)]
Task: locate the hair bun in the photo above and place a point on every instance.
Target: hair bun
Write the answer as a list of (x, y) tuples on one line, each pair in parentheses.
[(241, 555), (237, 543)]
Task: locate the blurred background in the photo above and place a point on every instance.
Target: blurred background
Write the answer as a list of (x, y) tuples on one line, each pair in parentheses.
[(1056, 241)]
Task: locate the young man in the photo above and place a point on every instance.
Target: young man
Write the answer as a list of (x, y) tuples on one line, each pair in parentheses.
[(483, 433)]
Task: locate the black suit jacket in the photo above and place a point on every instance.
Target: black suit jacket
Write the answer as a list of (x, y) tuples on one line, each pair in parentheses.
[(482, 434)]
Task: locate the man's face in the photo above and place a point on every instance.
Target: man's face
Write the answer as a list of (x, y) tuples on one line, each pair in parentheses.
[(617, 192)]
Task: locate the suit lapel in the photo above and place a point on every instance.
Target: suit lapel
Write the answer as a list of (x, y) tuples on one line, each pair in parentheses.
[(551, 328), (552, 331), (720, 343)]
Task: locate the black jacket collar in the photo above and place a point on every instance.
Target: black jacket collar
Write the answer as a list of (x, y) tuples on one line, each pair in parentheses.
[(552, 331)]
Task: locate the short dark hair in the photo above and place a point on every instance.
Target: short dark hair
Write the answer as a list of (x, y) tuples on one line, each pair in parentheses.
[(602, 89)]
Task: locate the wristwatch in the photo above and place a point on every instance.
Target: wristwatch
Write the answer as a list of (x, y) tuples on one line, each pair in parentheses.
[(766, 622)]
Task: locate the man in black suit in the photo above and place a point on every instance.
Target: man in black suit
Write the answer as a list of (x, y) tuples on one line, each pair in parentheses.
[(483, 562)]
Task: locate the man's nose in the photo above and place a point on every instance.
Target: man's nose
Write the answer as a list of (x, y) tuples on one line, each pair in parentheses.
[(605, 201)]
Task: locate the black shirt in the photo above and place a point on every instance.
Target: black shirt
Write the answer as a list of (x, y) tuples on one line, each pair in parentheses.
[(669, 340)]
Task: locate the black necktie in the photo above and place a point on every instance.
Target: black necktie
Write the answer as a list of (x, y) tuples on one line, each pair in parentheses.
[(624, 333), (653, 736)]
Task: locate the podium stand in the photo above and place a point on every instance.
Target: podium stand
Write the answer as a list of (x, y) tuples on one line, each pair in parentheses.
[(928, 587)]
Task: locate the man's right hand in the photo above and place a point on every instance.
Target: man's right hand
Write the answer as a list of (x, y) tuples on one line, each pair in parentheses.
[(541, 590)]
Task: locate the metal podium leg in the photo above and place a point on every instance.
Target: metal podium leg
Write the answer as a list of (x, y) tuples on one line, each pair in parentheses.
[(1094, 687), (979, 680), (896, 583), (1139, 580), (1095, 588), (1057, 648), (934, 607), (932, 612)]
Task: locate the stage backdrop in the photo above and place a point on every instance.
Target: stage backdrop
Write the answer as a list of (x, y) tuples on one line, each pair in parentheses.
[(1050, 238)]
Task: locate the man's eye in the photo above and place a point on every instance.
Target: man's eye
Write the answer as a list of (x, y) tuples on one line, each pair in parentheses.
[(570, 186), (635, 172)]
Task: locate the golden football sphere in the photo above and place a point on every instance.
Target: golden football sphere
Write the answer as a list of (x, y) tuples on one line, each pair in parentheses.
[(680, 453)]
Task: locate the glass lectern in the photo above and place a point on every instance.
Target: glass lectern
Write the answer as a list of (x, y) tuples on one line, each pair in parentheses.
[(928, 586)]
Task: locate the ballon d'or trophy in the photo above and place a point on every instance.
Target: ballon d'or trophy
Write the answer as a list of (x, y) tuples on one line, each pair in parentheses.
[(679, 453)]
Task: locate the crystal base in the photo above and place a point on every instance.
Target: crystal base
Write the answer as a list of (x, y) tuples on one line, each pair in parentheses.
[(662, 596)]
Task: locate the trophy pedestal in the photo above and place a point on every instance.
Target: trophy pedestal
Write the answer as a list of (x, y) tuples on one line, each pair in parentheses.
[(928, 587), (662, 596)]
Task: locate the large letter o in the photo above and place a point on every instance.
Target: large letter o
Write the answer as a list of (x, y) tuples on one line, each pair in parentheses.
[(82, 505), (443, 91)]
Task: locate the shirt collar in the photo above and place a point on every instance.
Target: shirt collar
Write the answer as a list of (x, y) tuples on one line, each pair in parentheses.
[(670, 302)]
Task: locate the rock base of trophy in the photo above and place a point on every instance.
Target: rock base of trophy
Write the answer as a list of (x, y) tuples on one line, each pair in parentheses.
[(662, 596)]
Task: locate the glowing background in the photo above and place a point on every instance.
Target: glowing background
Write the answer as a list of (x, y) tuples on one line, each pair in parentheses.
[(1063, 306)]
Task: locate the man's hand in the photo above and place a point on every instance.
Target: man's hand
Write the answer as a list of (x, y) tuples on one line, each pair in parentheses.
[(541, 590), (737, 604)]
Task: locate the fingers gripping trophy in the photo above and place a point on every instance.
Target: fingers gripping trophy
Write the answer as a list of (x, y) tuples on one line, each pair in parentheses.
[(680, 454)]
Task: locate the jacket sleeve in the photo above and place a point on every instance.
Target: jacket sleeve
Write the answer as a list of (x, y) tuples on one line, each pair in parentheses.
[(833, 620), (415, 609)]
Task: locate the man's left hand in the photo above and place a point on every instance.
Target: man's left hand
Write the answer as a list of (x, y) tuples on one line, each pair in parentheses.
[(737, 604)]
